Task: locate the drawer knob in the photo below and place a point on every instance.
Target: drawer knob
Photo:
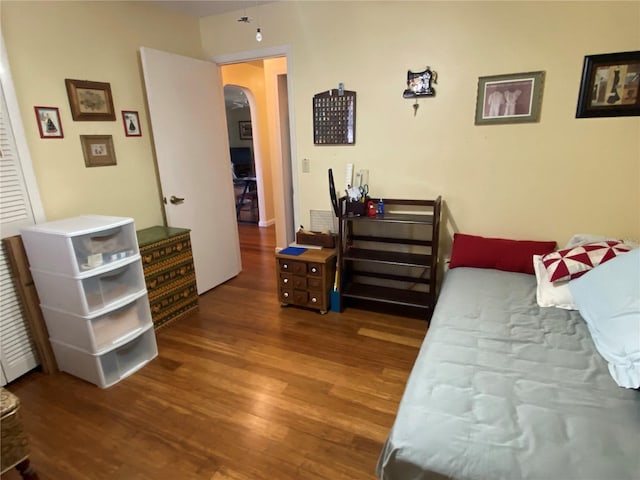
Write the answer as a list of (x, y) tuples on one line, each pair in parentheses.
[(314, 300), (285, 294), (314, 269), (285, 265), (286, 280)]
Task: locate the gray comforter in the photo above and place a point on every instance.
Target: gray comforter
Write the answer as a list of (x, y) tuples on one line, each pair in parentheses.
[(504, 389)]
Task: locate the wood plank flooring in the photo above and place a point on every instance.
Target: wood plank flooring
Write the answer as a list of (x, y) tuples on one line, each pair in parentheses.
[(242, 390)]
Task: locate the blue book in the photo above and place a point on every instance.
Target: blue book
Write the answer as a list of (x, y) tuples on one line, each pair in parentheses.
[(293, 251)]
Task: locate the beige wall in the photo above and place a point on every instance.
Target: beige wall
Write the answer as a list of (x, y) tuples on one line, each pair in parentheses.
[(50, 41), (545, 180)]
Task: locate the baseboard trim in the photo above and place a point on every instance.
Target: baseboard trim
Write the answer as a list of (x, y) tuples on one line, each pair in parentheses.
[(268, 223)]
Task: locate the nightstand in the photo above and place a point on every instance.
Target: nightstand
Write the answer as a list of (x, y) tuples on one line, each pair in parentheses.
[(306, 280)]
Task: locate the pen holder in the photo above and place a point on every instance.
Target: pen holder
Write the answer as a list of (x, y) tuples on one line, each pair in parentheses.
[(357, 208)]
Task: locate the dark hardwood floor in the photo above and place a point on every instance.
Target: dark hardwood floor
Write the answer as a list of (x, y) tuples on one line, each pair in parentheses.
[(242, 390)]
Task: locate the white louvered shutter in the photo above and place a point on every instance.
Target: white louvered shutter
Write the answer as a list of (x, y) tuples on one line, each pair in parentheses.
[(17, 353)]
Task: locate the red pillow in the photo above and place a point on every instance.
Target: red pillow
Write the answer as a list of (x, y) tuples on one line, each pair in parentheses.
[(498, 253)]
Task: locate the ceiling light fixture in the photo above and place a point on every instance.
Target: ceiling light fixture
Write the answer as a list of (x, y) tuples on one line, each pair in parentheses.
[(258, 31)]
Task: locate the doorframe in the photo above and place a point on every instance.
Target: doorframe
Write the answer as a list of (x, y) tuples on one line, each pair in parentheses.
[(256, 148), (261, 54)]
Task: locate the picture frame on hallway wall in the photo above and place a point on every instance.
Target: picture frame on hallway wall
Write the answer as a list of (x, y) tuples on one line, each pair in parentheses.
[(509, 98), (90, 101), (98, 150), (49, 124), (246, 132), (610, 85), (131, 123)]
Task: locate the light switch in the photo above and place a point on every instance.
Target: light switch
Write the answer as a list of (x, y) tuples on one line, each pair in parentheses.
[(306, 167)]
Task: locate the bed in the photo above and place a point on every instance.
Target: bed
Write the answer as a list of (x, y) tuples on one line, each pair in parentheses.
[(505, 389)]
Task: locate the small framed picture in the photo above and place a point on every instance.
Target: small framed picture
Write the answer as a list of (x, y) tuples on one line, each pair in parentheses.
[(246, 133), (90, 100), (511, 98), (131, 123), (49, 122), (98, 150), (609, 86)]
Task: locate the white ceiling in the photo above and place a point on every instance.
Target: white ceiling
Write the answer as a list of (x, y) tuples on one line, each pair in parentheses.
[(205, 8)]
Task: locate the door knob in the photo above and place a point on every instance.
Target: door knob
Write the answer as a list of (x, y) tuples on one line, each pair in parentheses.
[(176, 200)]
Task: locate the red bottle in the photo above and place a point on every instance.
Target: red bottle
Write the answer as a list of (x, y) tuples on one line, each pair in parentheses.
[(371, 209)]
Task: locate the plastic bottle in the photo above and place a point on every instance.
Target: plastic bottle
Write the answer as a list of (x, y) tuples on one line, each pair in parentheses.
[(380, 207)]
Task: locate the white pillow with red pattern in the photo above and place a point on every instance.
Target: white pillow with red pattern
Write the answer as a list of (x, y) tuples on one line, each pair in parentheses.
[(551, 294), (571, 263)]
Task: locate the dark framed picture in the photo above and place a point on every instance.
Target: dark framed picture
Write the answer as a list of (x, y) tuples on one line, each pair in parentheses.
[(49, 124), (246, 133), (511, 98), (131, 123), (609, 86), (90, 100), (98, 150)]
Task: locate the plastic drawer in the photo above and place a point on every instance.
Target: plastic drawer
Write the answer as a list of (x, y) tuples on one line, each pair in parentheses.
[(92, 293), (75, 245), (99, 333), (108, 368)]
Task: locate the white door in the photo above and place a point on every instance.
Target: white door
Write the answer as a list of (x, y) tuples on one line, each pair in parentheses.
[(186, 107), (20, 206)]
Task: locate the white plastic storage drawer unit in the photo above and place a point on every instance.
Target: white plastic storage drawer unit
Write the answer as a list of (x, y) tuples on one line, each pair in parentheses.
[(90, 281), (75, 245), (94, 291), (108, 368), (100, 333)]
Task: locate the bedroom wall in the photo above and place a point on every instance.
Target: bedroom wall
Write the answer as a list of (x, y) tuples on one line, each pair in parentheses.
[(50, 41), (545, 180)]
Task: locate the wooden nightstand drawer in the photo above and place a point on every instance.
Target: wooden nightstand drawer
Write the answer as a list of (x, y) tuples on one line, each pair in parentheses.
[(299, 268), (299, 282), (315, 269)]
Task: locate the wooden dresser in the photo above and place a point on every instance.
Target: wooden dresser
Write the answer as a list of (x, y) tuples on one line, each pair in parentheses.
[(169, 272), (306, 280)]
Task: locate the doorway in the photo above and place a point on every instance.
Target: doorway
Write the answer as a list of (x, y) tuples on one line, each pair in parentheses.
[(241, 149), (262, 75), (209, 173)]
